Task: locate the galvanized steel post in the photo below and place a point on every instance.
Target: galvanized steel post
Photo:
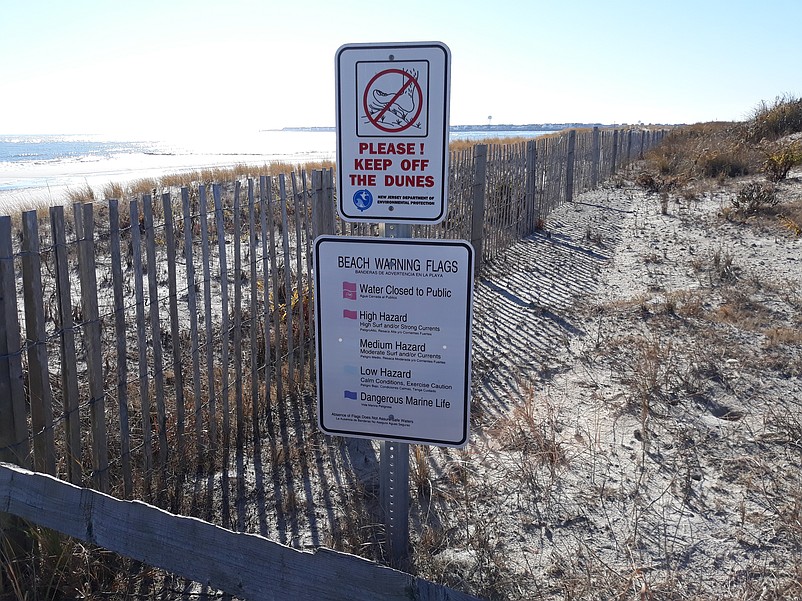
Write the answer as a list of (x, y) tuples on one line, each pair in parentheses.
[(394, 470)]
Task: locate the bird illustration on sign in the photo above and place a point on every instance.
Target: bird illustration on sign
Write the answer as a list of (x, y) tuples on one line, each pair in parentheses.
[(392, 100)]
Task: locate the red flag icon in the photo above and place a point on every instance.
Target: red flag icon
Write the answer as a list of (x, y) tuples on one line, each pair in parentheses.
[(349, 290)]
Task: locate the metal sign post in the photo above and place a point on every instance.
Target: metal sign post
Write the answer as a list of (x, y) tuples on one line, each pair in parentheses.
[(394, 471), (394, 499)]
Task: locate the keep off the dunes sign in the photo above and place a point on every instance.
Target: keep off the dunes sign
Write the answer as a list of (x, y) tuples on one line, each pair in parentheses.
[(392, 131)]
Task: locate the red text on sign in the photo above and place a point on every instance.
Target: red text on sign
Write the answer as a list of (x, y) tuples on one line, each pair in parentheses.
[(387, 148), (372, 164), (362, 180), (409, 181), (414, 164)]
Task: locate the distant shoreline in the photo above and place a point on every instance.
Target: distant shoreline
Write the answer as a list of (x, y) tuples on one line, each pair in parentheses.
[(495, 127)]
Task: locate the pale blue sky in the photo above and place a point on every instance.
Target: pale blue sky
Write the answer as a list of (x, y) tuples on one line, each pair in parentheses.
[(94, 66)]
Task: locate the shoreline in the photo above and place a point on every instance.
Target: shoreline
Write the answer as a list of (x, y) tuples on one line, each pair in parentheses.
[(42, 168), (48, 182)]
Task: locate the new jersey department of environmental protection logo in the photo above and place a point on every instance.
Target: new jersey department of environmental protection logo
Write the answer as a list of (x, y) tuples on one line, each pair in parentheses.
[(363, 199)]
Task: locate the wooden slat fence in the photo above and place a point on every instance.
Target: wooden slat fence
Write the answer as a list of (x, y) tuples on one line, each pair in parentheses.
[(246, 565), (140, 339), (113, 316)]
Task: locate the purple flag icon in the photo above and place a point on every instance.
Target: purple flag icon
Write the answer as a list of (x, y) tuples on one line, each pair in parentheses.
[(349, 290), (349, 314)]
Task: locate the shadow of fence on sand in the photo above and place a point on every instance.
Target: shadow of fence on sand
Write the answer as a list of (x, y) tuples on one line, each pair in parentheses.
[(307, 490), (524, 303)]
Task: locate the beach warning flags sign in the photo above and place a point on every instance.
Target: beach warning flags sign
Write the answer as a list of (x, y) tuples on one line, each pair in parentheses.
[(392, 131)]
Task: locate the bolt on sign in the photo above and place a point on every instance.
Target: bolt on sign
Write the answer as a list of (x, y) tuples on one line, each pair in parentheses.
[(393, 323), (392, 131)]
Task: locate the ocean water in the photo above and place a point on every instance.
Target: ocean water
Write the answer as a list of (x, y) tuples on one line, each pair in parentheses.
[(52, 161), (41, 168), (39, 149)]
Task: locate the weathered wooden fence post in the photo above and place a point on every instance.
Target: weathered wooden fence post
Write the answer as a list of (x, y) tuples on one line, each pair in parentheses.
[(629, 146), (530, 207), (141, 336), (254, 300), (274, 286), (298, 212), (569, 166), (236, 272), (614, 152), (285, 249), (322, 223), (478, 211), (265, 219), (41, 396), (595, 158), (308, 205), (14, 446), (122, 347), (323, 207), (66, 328), (85, 229)]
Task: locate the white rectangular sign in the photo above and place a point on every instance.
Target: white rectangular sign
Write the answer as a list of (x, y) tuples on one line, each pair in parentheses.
[(393, 320), (392, 131)]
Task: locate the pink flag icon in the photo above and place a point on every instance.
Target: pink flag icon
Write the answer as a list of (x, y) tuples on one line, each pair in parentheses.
[(349, 290), (349, 314)]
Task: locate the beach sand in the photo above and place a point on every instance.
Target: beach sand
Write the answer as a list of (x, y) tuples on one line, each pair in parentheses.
[(639, 375)]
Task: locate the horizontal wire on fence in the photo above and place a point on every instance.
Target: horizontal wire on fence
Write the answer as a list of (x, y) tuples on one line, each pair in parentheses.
[(18, 353)]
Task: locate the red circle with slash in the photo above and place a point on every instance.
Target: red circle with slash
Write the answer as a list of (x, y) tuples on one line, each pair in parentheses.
[(376, 119)]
